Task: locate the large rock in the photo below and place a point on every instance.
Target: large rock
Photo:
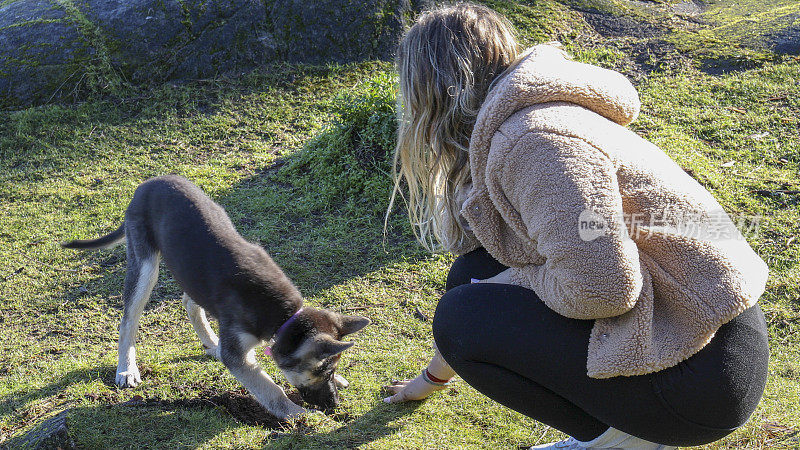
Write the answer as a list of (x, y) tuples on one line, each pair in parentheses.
[(337, 30), (61, 48), (40, 52), (155, 39)]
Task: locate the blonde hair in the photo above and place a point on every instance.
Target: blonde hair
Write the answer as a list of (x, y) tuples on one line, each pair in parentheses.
[(446, 64)]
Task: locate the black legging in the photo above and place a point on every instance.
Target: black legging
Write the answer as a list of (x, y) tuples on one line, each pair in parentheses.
[(504, 341)]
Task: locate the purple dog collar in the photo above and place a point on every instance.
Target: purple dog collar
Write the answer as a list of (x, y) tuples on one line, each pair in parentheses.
[(267, 349)]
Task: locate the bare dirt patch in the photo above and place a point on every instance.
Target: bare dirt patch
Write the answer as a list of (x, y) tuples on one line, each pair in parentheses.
[(610, 25), (716, 38), (644, 42)]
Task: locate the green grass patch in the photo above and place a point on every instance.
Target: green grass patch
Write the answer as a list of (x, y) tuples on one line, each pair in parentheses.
[(736, 34), (69, 171), (299, 157)]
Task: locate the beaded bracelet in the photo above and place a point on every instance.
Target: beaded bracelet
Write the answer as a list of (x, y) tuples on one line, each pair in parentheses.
[(428, 379)]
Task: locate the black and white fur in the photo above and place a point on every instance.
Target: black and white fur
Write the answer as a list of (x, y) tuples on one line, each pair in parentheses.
[(234, 281)]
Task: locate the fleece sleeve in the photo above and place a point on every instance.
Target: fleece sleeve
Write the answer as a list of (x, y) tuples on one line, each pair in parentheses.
[(547, 186)]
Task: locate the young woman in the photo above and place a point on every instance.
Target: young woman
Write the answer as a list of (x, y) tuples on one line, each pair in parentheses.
[(599, 288)]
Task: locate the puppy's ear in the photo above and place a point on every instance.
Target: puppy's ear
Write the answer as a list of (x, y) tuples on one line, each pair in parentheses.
[(328, 346), (351, 324)]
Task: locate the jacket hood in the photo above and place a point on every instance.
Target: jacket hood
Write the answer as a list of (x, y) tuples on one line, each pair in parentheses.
[(545, 73)]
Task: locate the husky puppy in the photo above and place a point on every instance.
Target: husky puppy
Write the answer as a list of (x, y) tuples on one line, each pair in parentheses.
[(234, 281)]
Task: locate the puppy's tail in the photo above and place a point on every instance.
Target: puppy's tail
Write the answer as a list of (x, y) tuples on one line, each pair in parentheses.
[(106, 241)]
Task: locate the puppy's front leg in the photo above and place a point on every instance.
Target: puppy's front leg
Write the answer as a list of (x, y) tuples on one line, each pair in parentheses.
[(236, 352), (340, 381)]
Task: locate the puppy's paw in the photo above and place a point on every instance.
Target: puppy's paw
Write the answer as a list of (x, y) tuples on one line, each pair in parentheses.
[(213, 352), (128, 378), (292, 411), (340, 381)]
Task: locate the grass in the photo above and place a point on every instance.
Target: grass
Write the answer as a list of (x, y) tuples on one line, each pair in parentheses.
[(297, 155)]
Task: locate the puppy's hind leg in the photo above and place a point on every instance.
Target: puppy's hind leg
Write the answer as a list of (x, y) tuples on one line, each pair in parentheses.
[(236, 351), (197, 316), (139, 281)]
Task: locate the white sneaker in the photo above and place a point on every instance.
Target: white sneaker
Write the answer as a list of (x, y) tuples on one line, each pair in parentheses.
[(567, 444), (611, 439)]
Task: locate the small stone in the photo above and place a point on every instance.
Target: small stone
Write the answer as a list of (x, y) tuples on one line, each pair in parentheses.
[(52, 433)]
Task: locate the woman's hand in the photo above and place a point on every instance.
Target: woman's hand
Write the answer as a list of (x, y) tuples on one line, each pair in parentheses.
[(433, 378), (503, 277), (405, 390)]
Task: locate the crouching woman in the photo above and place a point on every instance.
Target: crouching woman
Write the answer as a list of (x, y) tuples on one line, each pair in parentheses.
[(599, 288)]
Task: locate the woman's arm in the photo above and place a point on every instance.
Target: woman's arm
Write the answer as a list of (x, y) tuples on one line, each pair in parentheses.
[(543, 186)]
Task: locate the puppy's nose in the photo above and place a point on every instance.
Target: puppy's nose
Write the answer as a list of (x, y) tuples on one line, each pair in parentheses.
[(332, 401)]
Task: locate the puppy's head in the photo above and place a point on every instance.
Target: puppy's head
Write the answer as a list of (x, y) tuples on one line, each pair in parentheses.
[(308, 351)]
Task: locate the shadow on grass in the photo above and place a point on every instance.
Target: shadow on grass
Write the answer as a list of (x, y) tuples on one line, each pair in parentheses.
[(178, 422), (369, 427), (157, 424), (124, 426), (12, 401)]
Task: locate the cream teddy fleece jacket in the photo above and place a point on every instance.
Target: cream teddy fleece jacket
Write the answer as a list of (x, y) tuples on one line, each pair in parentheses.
[(598, 221)]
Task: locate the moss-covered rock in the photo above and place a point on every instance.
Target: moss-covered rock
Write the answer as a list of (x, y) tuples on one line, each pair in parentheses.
[(41, 52), (162, 39), (54, 49), (338, 30), (60, 48)]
